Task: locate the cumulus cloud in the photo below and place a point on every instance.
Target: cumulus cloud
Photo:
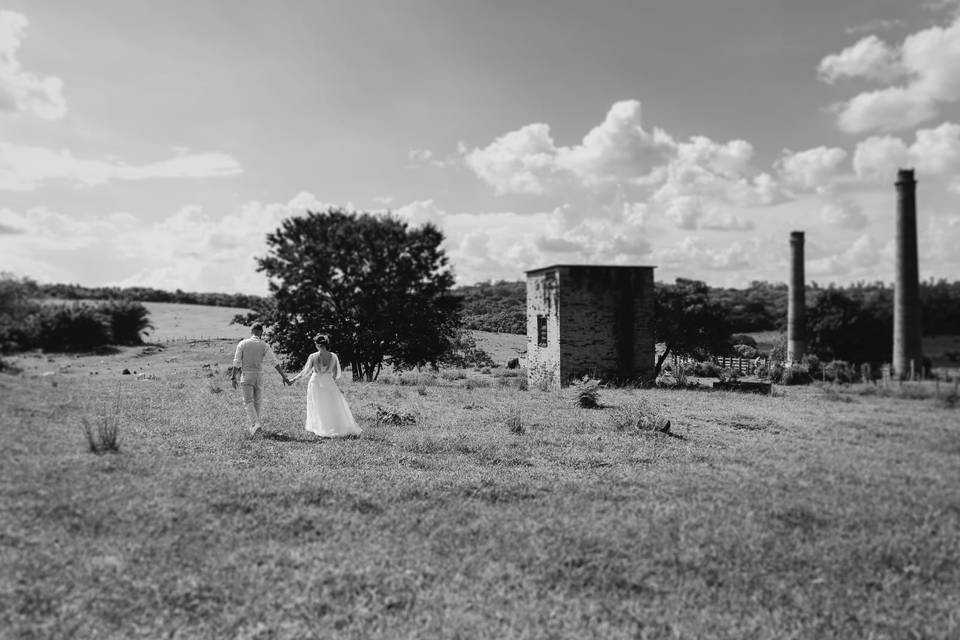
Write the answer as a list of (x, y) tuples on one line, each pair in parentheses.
[(870, 58), (872, 26), (23, 91), (934, 153), (529, 161), (693, 254), (844, 213), (192, 248), (617, 150), (857, 259), (810, 170), (419, 212), (25, 168), (520, 161), (926, 62), (426, 158)]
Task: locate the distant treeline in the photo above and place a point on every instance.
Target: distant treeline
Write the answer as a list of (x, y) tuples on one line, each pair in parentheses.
[(145, 294), (762, 306), (500, 307)]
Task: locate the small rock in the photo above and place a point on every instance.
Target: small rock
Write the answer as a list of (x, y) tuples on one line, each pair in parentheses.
[(125, 372)]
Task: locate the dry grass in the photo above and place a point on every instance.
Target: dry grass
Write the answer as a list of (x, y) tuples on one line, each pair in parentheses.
[(791, 516)]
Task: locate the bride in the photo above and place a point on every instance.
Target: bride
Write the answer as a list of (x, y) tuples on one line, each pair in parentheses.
[(328, 414)]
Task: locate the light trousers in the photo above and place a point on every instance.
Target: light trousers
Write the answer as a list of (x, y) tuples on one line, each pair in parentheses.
[(251, 384)]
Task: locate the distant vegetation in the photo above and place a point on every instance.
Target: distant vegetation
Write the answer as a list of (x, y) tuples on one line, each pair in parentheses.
[(761, 306), (27, 323), (500, 307), (851, 323), (142, 294)]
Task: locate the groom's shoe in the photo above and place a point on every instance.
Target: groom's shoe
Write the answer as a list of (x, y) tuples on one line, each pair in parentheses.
[(255, 429)]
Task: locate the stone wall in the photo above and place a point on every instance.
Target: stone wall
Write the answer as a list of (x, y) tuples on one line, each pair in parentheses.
[(543, 363), (598, 321), (606, 323)]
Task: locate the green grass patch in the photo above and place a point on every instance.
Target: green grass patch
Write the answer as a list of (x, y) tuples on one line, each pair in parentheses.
[(482, 511)]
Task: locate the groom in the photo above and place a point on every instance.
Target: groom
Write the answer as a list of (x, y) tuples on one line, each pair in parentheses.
[(252, 354)]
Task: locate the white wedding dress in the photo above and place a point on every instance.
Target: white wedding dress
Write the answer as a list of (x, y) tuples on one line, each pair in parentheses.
[(328, 414)]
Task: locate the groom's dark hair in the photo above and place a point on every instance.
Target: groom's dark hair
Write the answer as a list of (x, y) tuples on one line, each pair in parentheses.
[(256, 329)]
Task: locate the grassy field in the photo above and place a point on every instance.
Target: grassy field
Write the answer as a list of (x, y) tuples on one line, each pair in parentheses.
[(489, 511), (498, 513)]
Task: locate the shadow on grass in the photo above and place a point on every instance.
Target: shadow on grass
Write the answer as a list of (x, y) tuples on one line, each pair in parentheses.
[(277, 436)]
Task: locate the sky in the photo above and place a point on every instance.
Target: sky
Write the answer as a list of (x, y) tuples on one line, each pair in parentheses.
[(158, 143)]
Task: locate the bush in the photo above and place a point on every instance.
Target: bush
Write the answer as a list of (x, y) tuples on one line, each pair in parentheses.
[(795, 375), (588, 393), (18, 314), (77, 327), (702, 370), (840, 371), (513, 363), (128, 320), (728, 375), (746, 351)]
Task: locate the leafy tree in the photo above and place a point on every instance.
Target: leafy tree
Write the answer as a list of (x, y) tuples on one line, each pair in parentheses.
[(840, 327), (73, 327), (377, 287), (687, 322), (19, 313), (128, 321)]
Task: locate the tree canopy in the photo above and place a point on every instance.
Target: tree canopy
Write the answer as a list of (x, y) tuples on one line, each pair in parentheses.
[(687, 322), (378, 287)]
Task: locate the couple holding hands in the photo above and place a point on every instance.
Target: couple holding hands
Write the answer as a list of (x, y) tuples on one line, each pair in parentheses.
[(328, 414)]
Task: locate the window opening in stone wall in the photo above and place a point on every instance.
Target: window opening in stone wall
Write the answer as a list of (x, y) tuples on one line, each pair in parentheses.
[(542, 331)]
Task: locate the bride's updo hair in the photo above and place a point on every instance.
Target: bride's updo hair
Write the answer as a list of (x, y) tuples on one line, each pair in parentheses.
[(322, 340)]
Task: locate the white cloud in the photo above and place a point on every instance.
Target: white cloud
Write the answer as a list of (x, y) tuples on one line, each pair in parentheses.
[(872, 26), (23, 91), (617, 150), (693, 255), (810, 170), (25, 168), (419, 212), (516, 162), (855, 260), (870, 58), (934, 153), (844, 213), (426, 157), (191, 249), (929, 63)]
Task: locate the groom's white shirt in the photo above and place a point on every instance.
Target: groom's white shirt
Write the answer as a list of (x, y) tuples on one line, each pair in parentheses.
[(252, 354)]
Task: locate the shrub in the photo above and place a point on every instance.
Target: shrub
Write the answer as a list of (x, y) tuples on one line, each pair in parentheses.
[(514, 421), (394, 417), (728, 375), (744, 339), (639, 417), (104, 435), (588, 393), (796, 374), (745, 351), (702, 370), (513, 363), (77, 327), (128, 320), (840, 371)]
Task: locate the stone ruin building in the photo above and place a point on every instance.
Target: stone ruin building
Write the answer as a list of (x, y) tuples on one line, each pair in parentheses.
[(589, 320)]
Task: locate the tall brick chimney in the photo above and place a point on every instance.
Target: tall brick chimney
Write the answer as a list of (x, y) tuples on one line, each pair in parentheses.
[(796, 302), (907, 347)]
